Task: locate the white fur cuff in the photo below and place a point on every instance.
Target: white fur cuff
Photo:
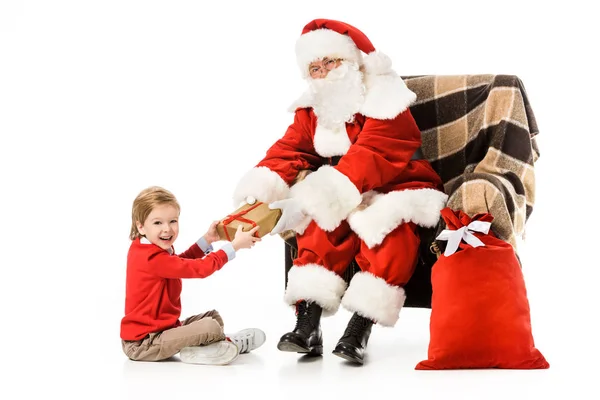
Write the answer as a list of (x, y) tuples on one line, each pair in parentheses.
[(373, 298), (262, 184), (313, 282), (380, 213), (328, 196)]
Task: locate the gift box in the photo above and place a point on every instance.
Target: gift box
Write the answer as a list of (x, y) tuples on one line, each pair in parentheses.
[(249, 216)]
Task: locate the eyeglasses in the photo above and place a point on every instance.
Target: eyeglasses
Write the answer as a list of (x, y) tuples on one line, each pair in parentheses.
[(327, 64)]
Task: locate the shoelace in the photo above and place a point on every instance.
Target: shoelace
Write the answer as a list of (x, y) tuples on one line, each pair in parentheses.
[(303, 321), (357, 326)]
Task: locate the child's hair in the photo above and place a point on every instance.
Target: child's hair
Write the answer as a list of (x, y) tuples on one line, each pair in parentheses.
[(145, 202)]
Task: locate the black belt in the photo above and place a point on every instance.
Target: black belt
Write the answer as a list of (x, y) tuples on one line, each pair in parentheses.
[(333, 161), (417, 155)]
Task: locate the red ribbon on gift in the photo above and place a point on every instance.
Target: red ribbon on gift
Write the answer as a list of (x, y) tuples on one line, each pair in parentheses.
[(238, 217)]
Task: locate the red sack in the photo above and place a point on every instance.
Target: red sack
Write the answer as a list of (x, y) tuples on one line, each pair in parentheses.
[(479, 308)]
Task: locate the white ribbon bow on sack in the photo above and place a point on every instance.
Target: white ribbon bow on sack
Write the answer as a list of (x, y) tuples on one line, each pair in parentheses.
[(454, 237)]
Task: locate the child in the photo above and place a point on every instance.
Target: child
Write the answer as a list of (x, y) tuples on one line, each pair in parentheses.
[(151, 329)]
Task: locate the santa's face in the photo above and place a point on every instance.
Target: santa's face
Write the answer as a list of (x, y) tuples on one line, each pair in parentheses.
[(338, 95)]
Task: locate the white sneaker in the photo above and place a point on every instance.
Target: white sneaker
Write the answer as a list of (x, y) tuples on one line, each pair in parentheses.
[(220, 353), (248, 339)]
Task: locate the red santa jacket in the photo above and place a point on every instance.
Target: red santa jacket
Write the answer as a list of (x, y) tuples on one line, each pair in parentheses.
[(376, 185), (153, 286)]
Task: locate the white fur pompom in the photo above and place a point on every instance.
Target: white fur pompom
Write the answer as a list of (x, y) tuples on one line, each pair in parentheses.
[(377, 63)]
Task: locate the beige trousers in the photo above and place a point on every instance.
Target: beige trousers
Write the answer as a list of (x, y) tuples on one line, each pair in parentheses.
[(197, 330)]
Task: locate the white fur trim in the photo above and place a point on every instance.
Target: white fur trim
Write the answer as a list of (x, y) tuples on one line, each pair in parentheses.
[(328, 196), (386, 96), (305, 100), (329, 143), (262, 184), (380, 214), (377, 63), (313, 282), (373, 298), (321, 43)]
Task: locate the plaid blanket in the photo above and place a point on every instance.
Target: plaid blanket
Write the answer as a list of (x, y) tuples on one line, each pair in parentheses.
[(479, 133)]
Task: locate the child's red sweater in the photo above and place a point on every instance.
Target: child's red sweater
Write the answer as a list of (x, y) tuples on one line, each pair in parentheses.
[(153, 287)]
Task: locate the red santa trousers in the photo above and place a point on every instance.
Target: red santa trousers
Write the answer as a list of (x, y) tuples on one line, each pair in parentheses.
[(375, 292)]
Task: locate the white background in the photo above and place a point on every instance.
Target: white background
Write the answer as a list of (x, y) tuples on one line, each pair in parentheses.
[(100, 99)]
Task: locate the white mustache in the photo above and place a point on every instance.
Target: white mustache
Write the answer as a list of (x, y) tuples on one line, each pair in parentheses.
[(333, 76), (338, 73), (339, 95)]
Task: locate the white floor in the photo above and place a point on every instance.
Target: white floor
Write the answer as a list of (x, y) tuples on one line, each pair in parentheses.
[(94, 367), (389, 372)]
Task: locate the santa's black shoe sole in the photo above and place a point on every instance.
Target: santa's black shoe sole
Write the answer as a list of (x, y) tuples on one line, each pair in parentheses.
[(348, 357), (296, 348)]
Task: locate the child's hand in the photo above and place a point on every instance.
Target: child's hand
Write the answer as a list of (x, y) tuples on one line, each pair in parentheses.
[(212, 235), (244, 240)]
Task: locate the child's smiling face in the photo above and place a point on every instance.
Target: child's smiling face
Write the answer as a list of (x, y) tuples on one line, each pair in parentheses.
[(162, 226)]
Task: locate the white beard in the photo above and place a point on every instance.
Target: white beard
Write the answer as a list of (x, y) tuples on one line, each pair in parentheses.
[(338, 96)]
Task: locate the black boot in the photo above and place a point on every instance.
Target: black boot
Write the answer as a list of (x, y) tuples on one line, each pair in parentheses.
[(306, 336), (354, 341)]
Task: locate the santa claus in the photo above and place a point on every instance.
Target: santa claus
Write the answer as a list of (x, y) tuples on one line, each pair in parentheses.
[(368, 191)]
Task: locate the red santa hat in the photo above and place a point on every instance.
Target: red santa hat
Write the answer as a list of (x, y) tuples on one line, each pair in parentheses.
[(329, 38)]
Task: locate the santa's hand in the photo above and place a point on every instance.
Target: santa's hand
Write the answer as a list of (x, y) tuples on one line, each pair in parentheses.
[(292, 215)]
